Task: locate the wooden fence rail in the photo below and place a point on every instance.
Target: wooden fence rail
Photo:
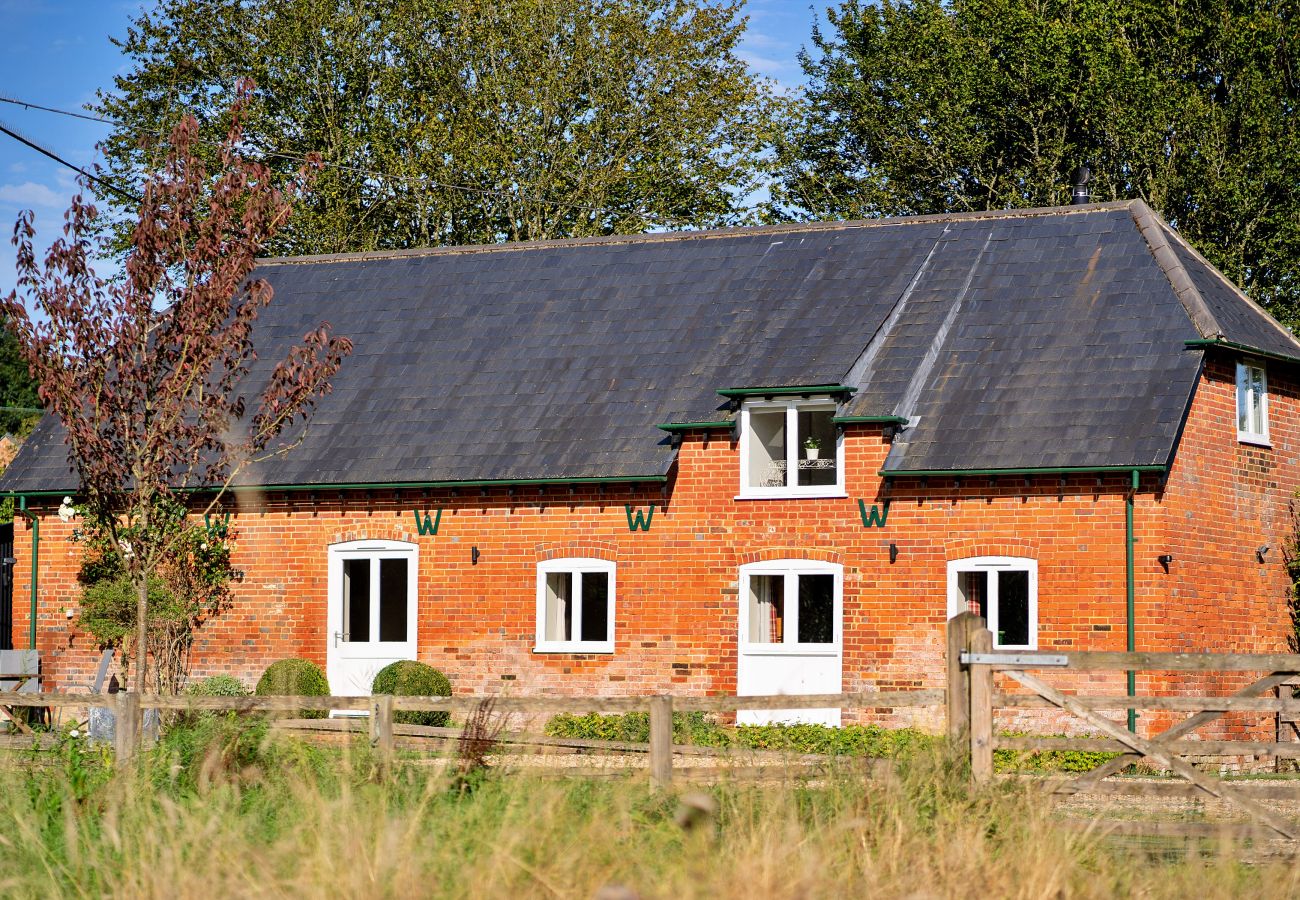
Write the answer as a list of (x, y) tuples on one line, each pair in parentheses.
[(971, 698)]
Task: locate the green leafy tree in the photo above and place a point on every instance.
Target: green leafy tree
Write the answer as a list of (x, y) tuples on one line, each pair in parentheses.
[(460, 121), (17, 390), (926, 106)]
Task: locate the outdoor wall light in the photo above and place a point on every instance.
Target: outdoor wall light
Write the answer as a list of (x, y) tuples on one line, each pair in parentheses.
[(1261, 552), (473, 556), (893, 553), (1165, 559)]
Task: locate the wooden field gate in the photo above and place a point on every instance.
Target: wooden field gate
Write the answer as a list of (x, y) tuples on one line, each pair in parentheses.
[(973, 697)]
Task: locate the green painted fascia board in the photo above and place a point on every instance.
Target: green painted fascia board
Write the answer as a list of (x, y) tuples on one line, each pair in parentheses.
[(869, 420), (1060, 470), (692, 426), (1241, 348), (386, 486), (787, 390)]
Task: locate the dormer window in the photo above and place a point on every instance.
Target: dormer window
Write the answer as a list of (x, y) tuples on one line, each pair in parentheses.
[(790, 448), (1252, 403)]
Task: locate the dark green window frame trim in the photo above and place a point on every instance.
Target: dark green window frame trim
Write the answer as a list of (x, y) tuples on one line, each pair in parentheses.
[(1056, 470), (693, 426), (1240, 348), (384, 486), (786, 391), (869, 420)]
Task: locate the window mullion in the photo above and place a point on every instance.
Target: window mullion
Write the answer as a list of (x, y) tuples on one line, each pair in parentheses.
[(791, 586), (791, 446), (374, 598), (575, 620), (993, 605)]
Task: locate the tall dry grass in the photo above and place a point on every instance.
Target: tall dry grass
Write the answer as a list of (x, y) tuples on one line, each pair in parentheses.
[(226, 812)]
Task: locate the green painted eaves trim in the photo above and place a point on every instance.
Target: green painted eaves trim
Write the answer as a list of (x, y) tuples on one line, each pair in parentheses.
[(1242, 348), (385, 485), (1052, 470), (869, 420), (693, 426), (786, 390)]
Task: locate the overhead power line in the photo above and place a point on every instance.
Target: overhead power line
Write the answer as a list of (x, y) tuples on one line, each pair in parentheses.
[(45, 151), (420, 180)]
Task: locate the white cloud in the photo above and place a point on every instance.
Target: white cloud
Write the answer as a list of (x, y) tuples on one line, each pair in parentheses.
[(31, 194)]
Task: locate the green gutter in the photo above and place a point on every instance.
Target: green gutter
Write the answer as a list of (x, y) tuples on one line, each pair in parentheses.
[(36, 557), (869, 420), (1242, 348), (1128, 589), (1061, 470), (382, 485), (785, 391), (692, 426)]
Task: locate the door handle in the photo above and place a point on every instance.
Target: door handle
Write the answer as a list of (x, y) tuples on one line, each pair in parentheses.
[(340, 636)]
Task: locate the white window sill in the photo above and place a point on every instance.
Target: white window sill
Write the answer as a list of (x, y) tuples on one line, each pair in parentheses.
[(1255, 440), (592, 647), (833, 494), (1028, 648), (790, 649)]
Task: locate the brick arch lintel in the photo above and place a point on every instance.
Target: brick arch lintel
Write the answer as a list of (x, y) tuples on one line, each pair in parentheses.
[(606, 550), (764, 554), (375, 532), (966, 548)]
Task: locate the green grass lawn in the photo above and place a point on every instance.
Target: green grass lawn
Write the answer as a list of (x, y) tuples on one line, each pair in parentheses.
[(223, 809)]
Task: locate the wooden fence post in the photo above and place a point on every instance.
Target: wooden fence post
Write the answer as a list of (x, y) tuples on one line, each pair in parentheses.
[(661, 741), (960, 629), (126, 727), (981, 710), (381, 727)]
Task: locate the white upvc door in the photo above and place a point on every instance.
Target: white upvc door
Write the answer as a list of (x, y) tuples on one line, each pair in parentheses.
[(371, 612), (790, 637)]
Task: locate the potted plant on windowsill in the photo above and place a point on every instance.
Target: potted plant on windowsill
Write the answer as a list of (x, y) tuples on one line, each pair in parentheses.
[(812, 447)]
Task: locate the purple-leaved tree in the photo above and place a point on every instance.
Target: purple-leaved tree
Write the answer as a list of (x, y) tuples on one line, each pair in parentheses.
[(144, 371)]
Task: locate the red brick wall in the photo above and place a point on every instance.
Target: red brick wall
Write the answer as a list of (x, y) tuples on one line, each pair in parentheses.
[(677, 597)]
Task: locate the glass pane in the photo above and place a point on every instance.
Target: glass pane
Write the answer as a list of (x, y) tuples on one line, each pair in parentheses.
[(1013, 609), (816, 463), (392, 599), (559, 610), (816, 609), (766, 609), (1243, 400), (974, 587), (767, 448), (356, 600), (595, 606), (1257, 400)]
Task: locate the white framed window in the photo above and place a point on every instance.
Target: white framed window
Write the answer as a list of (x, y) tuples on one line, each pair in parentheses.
[(575, 606), (790, 448), (1252, 403), (791, 606), (373, 587), (1001, 589)]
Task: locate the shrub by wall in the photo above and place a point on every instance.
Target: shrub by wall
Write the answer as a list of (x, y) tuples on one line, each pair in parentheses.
[(408, 678), (295, 678)]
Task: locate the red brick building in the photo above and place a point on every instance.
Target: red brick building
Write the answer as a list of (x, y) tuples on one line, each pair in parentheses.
[(763, 460)]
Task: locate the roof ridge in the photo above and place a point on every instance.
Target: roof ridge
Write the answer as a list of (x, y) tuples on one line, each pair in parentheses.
[(1241, 295), (1150, 227), (701, 234)]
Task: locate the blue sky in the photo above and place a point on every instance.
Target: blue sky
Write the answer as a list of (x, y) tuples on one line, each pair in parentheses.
[(58, 54)]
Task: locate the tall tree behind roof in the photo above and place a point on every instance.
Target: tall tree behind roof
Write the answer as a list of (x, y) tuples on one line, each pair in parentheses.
[(17, 388), (922, 106), (461, 121)]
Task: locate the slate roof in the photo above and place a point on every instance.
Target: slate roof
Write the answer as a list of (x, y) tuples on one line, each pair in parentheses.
[(1020, 339)]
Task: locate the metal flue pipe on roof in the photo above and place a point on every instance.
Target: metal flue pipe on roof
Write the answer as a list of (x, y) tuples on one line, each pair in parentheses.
[(1082, 176)]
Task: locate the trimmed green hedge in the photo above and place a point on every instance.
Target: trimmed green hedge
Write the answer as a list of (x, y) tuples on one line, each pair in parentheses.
[(872, 741), (217, 686), (702, 730), (295, 677), (408, 678)]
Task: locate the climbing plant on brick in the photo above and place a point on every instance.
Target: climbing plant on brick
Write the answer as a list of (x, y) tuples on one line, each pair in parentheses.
[(148, 372)]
